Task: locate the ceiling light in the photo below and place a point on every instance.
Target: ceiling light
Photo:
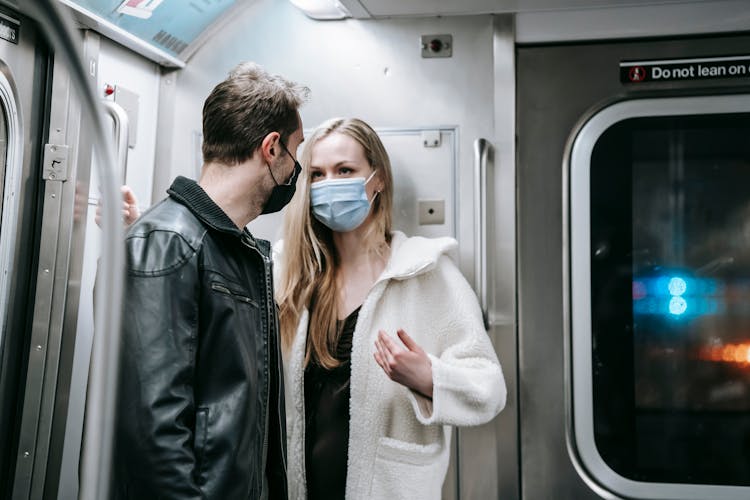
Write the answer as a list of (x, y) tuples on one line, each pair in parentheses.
[(322, 9)]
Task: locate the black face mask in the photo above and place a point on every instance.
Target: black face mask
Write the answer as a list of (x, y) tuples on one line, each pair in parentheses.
[(281, 194)]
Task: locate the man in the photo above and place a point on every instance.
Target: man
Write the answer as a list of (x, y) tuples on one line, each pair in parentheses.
[(200, 402)]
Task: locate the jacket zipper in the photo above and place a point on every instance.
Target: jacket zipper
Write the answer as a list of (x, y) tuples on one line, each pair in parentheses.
[(277, 353), (268, 375), (270, 309), (269, 312)]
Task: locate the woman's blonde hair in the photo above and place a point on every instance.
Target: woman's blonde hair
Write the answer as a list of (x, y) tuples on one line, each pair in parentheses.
[(309, 260)]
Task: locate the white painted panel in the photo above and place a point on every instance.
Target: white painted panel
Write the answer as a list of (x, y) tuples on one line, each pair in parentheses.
[(421, 173)]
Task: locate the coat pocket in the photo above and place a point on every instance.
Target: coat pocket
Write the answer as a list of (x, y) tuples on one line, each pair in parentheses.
[(225, 290), (408, 470)]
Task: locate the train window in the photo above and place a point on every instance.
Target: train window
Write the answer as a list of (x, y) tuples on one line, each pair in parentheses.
[(660, 294), (10, 179)]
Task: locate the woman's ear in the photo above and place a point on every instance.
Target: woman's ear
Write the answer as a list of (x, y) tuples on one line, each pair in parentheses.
[(379, 184)]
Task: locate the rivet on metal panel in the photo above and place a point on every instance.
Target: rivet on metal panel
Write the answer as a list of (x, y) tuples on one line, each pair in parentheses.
[(26, 454), (38, 348)]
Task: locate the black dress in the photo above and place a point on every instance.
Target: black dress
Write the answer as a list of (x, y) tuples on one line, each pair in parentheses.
[(327, 420)]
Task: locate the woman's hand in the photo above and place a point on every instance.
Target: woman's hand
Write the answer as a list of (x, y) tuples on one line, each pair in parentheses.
[(410, 367)]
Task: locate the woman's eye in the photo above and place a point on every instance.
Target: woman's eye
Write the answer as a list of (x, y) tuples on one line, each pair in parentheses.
[(345, 171), (315, 175)]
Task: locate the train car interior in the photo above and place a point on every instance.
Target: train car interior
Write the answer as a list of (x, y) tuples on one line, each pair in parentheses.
[(587, 155)]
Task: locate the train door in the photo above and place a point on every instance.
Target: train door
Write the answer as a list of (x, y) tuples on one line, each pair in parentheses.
[(633, 269), (61, 181), (24, 99)]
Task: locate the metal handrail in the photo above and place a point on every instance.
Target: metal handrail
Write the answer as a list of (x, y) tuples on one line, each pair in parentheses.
[(481, 151), (122, 131)]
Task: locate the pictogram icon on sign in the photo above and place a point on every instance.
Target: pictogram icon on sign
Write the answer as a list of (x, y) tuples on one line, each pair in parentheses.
[(637, 74)]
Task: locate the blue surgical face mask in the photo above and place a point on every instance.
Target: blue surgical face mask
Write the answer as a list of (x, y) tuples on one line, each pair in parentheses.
[(340, 204)]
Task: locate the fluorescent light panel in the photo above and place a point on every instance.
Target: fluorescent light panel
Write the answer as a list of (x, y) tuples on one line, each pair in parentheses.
[(322, 9)]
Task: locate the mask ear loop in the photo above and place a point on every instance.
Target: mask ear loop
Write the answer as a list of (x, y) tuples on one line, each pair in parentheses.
[(376, 192)]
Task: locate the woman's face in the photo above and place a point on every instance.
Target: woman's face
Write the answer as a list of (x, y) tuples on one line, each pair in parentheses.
[(338, 156)]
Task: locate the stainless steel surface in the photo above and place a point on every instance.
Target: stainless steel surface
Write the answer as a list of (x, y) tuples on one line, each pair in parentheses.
[(481, 150), (501, 260), (33, 446), (576, 79), (68, 275), (45, 401), (580, 286), (122, 134)]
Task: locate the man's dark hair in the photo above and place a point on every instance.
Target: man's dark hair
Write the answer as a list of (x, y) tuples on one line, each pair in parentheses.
[(244, 108)]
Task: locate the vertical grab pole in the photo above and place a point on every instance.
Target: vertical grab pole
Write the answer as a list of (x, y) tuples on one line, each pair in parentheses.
[(481, 150)]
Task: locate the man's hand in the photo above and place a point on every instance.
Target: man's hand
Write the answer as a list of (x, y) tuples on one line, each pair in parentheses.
[(130, 211)]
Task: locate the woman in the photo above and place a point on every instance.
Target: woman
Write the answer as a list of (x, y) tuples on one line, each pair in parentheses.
[(383, 337)]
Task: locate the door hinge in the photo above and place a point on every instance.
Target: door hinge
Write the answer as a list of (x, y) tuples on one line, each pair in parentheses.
[(55, 166)]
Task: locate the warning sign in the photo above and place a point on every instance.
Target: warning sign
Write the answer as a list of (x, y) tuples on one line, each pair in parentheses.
[(685, 69)]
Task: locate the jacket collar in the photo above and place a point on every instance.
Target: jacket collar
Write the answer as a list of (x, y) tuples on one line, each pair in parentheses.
[(189, 193), (411, 256)]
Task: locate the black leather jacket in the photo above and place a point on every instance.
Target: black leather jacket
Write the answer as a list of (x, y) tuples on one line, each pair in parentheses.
[(200, 403)]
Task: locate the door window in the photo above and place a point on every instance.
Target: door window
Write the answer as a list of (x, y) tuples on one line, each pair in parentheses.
[(666, 334)]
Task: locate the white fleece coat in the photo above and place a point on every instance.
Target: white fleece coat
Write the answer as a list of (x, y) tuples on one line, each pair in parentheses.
[(399, 441)]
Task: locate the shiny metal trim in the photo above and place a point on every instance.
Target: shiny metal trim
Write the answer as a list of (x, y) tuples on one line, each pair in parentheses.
[(122, 133), (503, 244), (578, 276), (481, 150), (32, 449), (13, 174)]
